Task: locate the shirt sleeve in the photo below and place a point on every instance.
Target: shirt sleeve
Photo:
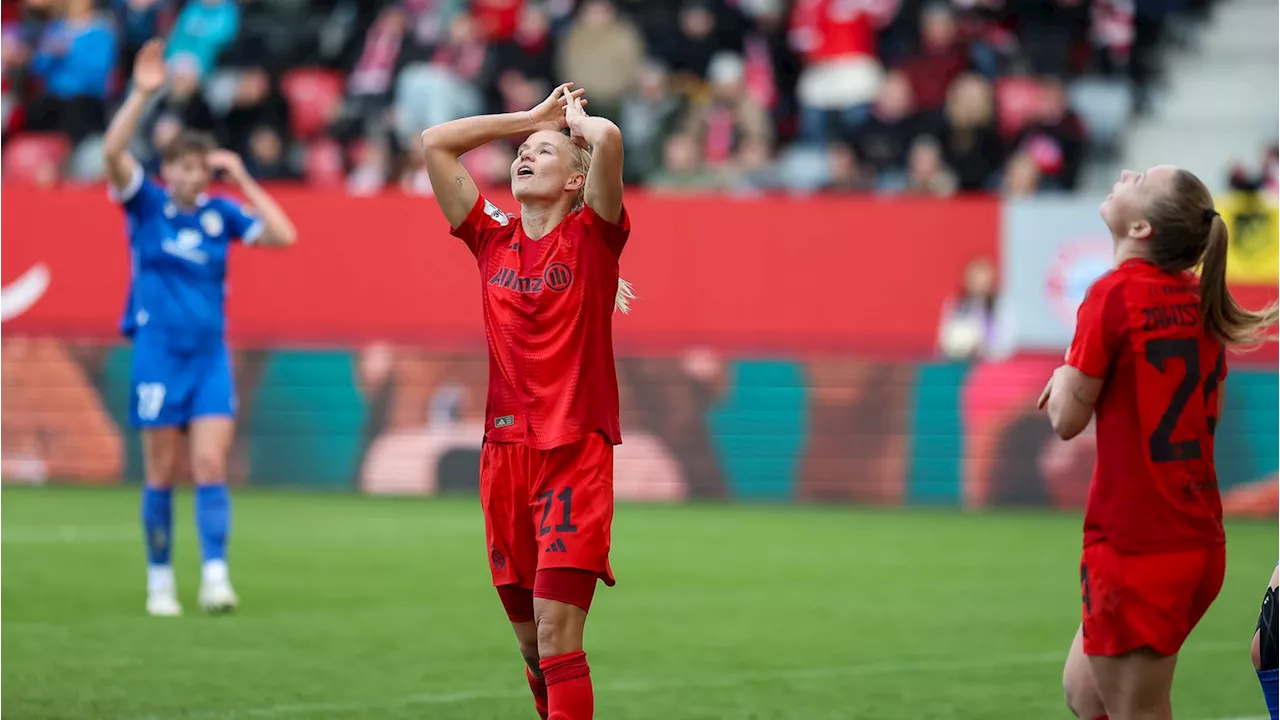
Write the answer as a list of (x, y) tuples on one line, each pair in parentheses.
[(613, 235), (481, 225), (1099, 327), (240, 223), (141, 197)]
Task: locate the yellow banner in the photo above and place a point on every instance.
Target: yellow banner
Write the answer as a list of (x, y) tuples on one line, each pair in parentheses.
[(1253, 221)]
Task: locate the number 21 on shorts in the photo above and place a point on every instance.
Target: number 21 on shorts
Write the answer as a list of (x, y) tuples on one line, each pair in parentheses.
[(546, 500)]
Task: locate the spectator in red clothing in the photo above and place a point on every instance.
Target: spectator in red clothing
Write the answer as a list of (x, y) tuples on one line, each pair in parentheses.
[(941, 59), (1056, 138), (529, 51), (842, 73), (497, 19)]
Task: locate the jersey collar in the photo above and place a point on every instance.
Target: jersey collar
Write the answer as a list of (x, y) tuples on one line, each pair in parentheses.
[(171, 208)]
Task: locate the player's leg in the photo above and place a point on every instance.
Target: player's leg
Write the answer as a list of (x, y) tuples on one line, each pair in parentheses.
[(160, 461), (212, 431), (1137, 685), (1078, 684), (518, 602), (560, 629), (210, 439), (157, 407), (1143, 607), (573, 511), (513, 551), (1264, 648)]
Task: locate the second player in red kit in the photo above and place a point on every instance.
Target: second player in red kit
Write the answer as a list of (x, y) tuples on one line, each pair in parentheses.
[(550, 285), (1149, 360)]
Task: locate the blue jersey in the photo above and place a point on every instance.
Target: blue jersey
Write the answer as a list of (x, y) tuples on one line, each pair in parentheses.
[(179, 261)]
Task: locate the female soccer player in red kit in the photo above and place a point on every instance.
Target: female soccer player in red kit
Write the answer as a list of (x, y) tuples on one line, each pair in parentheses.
[(1148, 359), (549, 282)]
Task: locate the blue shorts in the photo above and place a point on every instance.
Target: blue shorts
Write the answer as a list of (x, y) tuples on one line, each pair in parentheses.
[(176, 382)]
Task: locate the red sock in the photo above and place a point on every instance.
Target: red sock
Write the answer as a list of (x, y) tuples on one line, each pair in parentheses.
[(539, 687), (568, 679)]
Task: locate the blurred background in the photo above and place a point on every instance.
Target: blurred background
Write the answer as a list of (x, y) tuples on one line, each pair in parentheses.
[(943, 159), (861, 232), (923, 97)]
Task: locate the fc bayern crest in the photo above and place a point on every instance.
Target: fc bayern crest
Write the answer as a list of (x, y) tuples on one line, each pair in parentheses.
[(497, 558), (1076, 266), (211, 221)]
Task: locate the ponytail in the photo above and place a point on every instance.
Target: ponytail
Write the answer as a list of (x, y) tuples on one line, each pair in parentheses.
[(1235, 326)]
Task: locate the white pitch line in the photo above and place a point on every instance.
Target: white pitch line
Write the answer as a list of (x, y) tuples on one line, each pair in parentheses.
[(646, 686)]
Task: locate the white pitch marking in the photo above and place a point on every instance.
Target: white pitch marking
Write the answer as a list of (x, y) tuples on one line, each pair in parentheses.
[(732, 680)]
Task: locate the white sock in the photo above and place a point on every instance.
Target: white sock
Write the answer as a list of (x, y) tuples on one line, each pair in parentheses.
[(215, 571), (160, 579)]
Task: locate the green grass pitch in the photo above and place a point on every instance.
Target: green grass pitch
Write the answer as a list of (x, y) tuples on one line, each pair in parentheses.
[(359, 607)]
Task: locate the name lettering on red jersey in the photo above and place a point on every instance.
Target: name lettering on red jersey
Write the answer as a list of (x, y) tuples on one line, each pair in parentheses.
[(1154, 487)]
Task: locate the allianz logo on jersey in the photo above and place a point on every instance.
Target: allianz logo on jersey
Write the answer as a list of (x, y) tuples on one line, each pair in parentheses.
[(186, 245), (557, 277)]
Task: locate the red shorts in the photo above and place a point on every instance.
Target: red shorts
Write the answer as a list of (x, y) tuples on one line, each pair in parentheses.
[(1151, 600), (547, 508)]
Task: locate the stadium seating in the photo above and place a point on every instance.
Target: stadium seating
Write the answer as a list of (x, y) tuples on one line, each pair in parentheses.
[(35, 157), (322, 165), (313, 96)]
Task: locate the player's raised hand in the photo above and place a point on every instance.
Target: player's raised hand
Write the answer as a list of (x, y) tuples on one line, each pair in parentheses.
[(574, 115), (148, 67), (227, 162), (550, 113)]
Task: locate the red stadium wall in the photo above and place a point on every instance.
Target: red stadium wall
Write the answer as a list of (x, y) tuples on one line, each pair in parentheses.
[(769, 275)]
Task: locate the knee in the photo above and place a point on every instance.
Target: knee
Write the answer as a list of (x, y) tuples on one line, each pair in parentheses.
[(160, 480), (529, 651), (1082, 699), (556, 635), (208, 467), (160, 473)]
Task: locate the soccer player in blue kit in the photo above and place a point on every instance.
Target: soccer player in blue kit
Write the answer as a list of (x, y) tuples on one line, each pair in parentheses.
[(181, 377)]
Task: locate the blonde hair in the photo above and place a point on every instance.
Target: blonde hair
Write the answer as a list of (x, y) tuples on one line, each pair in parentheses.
[(1187, 232), (580, 162)]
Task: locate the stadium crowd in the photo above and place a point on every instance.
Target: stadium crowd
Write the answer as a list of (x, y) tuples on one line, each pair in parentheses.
[(917, 96)]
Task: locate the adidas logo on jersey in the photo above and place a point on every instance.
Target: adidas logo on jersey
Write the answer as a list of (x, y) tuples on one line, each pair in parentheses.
[(556, 547)]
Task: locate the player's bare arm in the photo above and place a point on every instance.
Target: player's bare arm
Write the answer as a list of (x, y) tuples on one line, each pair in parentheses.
[(603, 192), (277, 229), (148, 78), (1069, 398), (444, 144)]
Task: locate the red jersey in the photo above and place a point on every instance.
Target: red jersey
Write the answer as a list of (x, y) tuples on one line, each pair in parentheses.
[(548, 318), (832, 29), (1154, 486)]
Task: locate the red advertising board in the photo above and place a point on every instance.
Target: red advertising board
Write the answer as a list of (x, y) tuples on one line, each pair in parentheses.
[(757, 274)]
